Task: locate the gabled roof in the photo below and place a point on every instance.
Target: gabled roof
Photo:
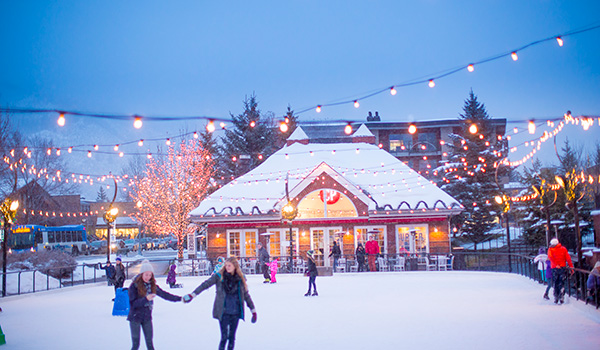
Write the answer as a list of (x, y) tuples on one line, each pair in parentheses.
[(387, 182)]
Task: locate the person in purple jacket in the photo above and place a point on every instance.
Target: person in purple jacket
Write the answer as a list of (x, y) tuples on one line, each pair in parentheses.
[(171, 277), (548, 278), (142, 291)]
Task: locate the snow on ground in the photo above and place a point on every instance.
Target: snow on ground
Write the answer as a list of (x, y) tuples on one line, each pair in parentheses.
[(24, 282), (411, 310)]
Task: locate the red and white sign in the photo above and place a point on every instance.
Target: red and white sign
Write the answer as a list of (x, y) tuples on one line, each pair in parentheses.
[(332, 196)]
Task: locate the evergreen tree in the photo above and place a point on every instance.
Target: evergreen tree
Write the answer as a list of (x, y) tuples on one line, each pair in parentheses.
[(102, 196), (292, 122), (470, 174), (248, 144)]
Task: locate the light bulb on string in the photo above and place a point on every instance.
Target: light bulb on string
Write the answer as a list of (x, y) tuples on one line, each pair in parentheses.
[(393, 91), (210, 127), (560, 41), (318, 109), (116, 148), (168, 142), (252, 123), (61, 119), (431, 83), (356, 104), (89, 154), (283, 127), (96, 147), (473, 129), (121, 154), (70, 149), (195, 135), (222, 125), (531, 127), (471, 67), (140, 143), (412, 129), (137, 122), (348, 129), (514, 56)]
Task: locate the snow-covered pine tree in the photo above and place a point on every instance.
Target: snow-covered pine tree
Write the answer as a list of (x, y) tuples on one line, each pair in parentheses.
[(470, 173), (102, 196), (248, 143)]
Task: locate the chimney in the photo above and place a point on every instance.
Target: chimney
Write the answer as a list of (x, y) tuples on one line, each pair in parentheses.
[(376, 117), (370, 117)]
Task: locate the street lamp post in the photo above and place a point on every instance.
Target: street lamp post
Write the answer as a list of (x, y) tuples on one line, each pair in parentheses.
[(9, 210), (109, 217), (505, 200), (289, 213)]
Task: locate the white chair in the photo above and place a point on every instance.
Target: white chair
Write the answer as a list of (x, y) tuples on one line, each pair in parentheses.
[(422, 263), (203, 267), (431, 265), (354, 266), (442, 263), (400, 264), (299, 265), (341, 266), (383, 266)]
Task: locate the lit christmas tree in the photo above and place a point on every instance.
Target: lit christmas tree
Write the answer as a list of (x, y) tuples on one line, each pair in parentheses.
[(171, 188)]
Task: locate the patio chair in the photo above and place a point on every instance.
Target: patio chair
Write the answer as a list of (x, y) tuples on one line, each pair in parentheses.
[(341, 266), (450, 265), (203, 267), (442, 263), (432, 264), (383, 266), (400, 264)]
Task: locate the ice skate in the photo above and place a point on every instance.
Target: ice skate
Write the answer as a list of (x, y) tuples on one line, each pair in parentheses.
[(546, 296), (315, 294), (307, 294)]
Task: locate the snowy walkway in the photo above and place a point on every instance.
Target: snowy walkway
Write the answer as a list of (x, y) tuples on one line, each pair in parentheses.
[(410, 310)]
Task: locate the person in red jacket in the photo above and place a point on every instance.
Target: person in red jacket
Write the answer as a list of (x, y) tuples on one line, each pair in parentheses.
[(560, 260), (372, 249)]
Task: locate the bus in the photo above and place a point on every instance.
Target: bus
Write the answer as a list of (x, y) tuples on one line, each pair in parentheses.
[(69, 238)]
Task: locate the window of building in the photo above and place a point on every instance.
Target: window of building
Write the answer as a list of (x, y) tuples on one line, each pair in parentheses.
[(362, 234), (233, 243), (429, 140), (241, 243), (412, 238), (400, 142), (336, 205)]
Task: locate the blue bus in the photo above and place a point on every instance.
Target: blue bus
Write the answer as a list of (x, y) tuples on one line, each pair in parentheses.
[(69, 238)]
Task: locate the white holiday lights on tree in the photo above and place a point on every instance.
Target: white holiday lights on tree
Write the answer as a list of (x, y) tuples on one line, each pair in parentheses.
[(172, 187)]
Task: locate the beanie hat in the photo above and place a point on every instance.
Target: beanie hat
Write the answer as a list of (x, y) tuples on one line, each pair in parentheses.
[(310, 253), (118, 258), (553, 242), (146, 267)]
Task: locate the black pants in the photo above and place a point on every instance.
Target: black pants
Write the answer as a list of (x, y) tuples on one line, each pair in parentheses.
[(228, 325), (119, 284), (361, 265), (558, 279), (266, 271), (135, 334), (312, 283)]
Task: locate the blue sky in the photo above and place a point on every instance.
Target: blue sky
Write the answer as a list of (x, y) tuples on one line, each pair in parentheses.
[(156, 58)]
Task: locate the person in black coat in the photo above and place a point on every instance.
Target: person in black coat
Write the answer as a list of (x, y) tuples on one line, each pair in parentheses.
[(142, 291), (110, 272), (231, 293), (119, 274), (360, 257), (263, 260), (312, 273), (336, 253)]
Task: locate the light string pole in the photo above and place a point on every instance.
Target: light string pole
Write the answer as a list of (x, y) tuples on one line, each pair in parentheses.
[(289, 213), (109, 217), (541, 191), (9, 211)]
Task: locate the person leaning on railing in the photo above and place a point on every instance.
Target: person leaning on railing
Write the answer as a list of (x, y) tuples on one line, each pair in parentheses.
[(593, 282)]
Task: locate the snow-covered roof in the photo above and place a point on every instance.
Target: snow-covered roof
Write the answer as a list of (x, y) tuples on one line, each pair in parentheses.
[(363, 131), (372, 173), (298, 134)]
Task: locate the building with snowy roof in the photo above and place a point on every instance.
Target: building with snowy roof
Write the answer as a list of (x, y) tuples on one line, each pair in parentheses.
[(345, 192)]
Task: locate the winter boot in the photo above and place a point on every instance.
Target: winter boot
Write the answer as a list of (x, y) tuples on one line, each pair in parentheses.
[(267, 280), (315, 294), (546, 296), (307, 294)]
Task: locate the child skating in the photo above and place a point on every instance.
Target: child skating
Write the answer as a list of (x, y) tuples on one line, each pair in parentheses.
[(273, 265), (312, 273)]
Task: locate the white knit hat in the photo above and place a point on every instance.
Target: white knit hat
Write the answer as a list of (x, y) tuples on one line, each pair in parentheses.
[(553, 242), (146, 266)]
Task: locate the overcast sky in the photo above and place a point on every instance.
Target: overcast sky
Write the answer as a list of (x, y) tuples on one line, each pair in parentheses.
[(201, 58)]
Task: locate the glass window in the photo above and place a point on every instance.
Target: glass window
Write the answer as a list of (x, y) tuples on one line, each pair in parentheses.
[(413, 239), (250, 243), (362, 234), (51, 237), (287, 242), (275, 242), (400, 142), (429, 140), (233, 243)]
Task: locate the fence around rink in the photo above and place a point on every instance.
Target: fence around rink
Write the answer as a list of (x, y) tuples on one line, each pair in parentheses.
[(31, 281)]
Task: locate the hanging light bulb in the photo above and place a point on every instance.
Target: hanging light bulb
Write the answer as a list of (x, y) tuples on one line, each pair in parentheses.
[(348, 129), (473, 128), (356, 104), (96, 147), (531, 127), (222, 125), (210, 127), (58, 151), (121, 154), (431, 83), (168, 142), (89, 154), (49, 151), (70, 149), (252, 123), (514, 55), (195, 135), (61, 119), (560, 41), (140, 143), (149, 156), (412, 129), (393, 91), (318, 109), (116, 148), (137, 122), (283, 127), (471, 67)]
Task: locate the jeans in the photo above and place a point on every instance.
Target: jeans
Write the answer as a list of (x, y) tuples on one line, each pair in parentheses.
[(135, 334), (335, 263), (228, 325), (558, 279), (312, 283)]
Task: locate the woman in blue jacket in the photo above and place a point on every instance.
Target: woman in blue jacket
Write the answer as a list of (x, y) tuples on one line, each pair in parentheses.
[(142, 291), (228, 308)]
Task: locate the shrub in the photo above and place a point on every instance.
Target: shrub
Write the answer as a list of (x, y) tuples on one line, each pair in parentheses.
[(51, 262)]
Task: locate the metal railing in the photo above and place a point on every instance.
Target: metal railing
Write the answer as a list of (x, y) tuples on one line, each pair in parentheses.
[(31, 281)]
